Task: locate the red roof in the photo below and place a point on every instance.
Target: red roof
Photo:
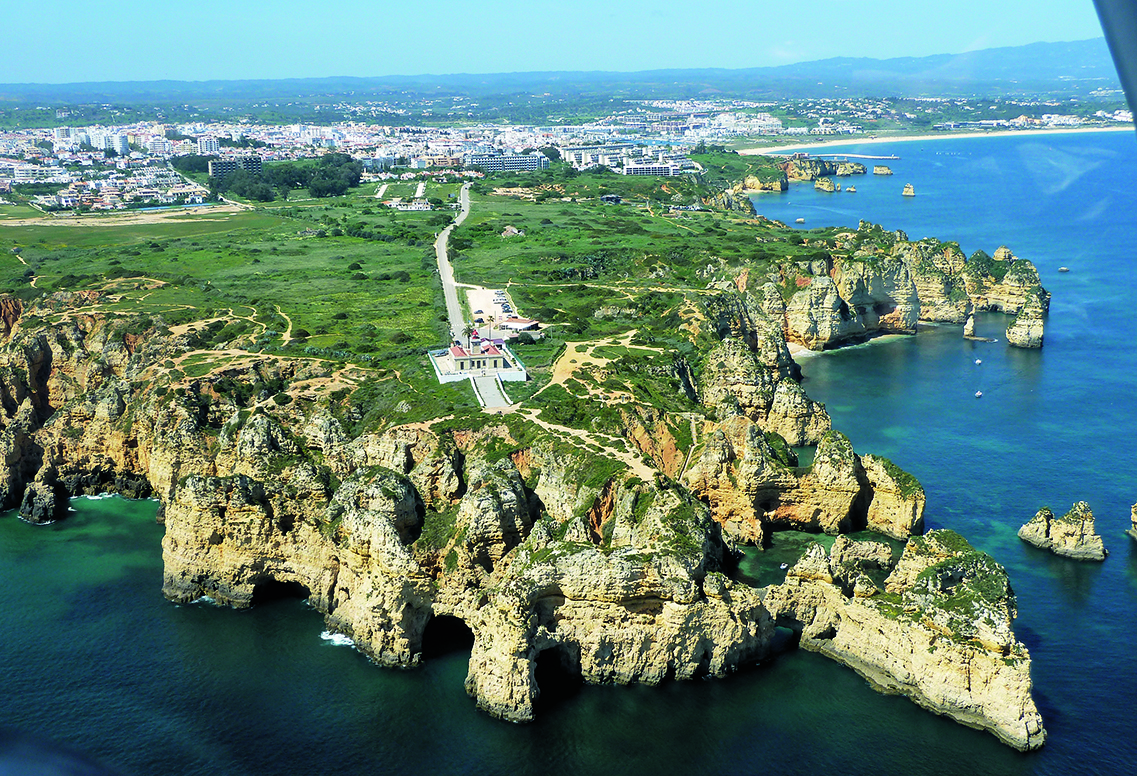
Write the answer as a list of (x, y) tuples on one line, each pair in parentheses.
[(487, 350)]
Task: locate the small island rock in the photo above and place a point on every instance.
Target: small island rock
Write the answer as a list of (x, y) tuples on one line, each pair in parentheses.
[(909, 190), (881, 169), (1027, 328), (1071, 535), (826, 184)]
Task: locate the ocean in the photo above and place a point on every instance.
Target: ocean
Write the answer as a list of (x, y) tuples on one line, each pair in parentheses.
[(96, 659)]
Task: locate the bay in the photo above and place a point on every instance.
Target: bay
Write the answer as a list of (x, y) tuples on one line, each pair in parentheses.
[(95, 658)]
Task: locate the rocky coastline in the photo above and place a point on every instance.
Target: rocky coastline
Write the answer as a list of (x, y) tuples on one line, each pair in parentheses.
[(868, 282), (533, 544), (1072, 535)]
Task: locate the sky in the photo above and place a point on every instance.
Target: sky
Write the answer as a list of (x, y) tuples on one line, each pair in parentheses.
[(136, 40)]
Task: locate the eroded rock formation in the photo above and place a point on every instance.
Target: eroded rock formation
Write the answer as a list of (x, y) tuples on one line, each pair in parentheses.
[(1027, 328), (753, 485), (524, 539), (884, 283), (935, 626), (1072, 535)]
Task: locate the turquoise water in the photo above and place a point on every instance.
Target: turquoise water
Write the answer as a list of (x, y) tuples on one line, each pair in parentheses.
[(94, 657)]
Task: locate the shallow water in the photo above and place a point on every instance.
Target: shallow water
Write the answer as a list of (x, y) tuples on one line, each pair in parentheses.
[(96, 658)]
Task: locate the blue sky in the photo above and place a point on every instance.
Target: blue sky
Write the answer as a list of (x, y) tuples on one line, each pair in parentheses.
[(132, 40)]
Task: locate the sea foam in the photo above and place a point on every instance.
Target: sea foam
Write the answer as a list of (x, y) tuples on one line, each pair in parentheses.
[(337, 639)]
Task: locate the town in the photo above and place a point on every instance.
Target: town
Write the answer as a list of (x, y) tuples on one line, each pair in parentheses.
[(116, 167)]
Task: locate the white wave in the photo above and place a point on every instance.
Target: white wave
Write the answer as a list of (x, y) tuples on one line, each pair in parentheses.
[(204, 600), (337, 639)]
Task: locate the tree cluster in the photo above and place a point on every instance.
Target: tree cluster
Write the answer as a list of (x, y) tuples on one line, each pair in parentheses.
[(331, 176)]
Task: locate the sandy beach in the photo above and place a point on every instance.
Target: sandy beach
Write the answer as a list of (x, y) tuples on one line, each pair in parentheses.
[(863, 140)]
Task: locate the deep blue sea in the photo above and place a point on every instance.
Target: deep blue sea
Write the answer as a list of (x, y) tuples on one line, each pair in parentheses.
[(94, 657)]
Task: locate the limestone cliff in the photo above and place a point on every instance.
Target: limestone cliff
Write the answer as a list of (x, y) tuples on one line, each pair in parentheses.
[(615, 577), (826, 184), (754, 183), (937, 628), (861, 299), (1072, 535), (882, 282), (753, 485), (535, 543), (800, 169), (727, 199), (736, 382), (1028, 327), (1002, 283)]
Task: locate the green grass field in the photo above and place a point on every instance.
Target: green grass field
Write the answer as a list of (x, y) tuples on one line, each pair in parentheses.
[(344, 280)]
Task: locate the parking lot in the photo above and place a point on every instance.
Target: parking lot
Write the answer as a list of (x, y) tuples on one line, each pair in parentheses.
[(491, 306)]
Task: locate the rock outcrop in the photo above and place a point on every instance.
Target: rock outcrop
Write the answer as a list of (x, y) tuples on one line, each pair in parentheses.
[(727, 199), (881, 169), (1027, 329), (536, 544), (881, 282), (753, 485), (800, 169), (863, 298), (935, 626), (909, 190), (754, 183), (1072, 535), (1132, 522), (826, 184), (625, 588), (736, 382)]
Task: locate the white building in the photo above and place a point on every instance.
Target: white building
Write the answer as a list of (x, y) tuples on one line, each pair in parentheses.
[(120, 144), (208, 146), (651, 168)]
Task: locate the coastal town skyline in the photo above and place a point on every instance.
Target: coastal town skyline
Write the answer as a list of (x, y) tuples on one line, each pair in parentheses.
[(256, 41)]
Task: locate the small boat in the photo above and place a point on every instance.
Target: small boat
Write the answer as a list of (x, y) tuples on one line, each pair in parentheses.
[(978, 361), (800, 221), (784, 566), (979, 394), (1063, 269)]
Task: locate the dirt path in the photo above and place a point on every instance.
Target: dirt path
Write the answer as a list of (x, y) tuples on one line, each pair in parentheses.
[(127, 219), (252, 318), (575, 435), (288, 331), (578, 355)]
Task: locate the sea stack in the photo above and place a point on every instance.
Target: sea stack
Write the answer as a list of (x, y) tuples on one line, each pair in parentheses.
[(1133, 521), (826, 184), (1026, 330), (969, 327), (1071, 536), (881, 169), (909, 190)]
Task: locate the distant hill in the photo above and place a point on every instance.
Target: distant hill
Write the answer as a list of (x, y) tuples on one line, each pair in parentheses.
[(1043, 69)]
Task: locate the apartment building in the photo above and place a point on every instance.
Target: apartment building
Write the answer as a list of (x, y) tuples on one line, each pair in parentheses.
[(219, 168)]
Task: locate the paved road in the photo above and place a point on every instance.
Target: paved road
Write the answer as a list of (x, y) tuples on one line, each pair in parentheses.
[(490, 392), (446, 272)]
